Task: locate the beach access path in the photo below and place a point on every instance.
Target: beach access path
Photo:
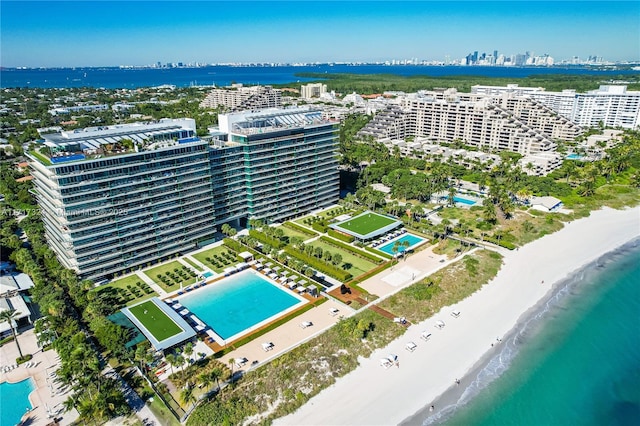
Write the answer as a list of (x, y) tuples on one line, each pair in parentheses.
[(373, 395)]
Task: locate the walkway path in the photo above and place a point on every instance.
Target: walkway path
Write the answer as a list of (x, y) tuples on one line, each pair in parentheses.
[(141, 410), (144, 277)]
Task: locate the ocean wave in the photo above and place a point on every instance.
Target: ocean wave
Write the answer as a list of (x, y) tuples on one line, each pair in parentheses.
[(527, 328)]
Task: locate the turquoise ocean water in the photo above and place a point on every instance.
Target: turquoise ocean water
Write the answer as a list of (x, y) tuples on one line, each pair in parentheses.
[(574, 361)]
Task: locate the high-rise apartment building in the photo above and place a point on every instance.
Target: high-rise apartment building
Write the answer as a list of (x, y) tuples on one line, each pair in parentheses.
[(240, 98), (610, 105), (488, 122), (312, 90), (120, 197)]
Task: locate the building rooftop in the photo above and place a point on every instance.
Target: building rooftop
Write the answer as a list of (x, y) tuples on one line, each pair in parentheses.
[(104, 141), (270, 120)]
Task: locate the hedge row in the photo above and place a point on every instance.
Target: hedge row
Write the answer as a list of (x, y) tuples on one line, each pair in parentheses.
[(265, 239), (501, 243), (233, 245), (319, 264), (339, 235), (347, 247), (299, 228), (320, 227)]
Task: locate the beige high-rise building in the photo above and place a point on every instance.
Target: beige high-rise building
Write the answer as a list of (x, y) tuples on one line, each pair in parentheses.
[(312, 90), (240, 98)]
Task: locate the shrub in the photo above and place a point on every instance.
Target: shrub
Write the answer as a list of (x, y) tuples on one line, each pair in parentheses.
[(265, 239), (320, 227), (299, 228), (347, 247), (319, 264), (339, 235)]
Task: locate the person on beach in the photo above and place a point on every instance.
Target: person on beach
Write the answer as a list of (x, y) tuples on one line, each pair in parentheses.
[(432, 408)]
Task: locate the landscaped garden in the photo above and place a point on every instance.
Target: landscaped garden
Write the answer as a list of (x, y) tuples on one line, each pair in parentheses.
[(171, 276), (356, 265), (289, 232), (126, 291), (217, 258)]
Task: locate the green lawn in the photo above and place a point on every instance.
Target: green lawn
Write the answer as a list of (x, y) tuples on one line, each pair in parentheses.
[(171, 284), (119, 290), (196, 267), (336, 211), (358, 265), (219, 264), (301, 220), (366, 223), (157, 322), (294, 233)]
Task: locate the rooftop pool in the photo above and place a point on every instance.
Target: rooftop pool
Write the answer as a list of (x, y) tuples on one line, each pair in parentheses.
[(240, 303), (14, 400), (412, 239)]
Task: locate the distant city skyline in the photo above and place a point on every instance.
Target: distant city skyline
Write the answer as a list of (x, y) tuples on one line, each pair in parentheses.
[(112, 33)]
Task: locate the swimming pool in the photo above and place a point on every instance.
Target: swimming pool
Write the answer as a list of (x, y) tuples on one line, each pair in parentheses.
[(573, 157), (15, 401), (241, 302), (463, 200), (412, 239), (207, 274)]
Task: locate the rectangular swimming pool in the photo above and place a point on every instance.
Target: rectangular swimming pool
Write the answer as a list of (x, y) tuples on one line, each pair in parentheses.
[(412, 239), (242, 301), (463, 201)]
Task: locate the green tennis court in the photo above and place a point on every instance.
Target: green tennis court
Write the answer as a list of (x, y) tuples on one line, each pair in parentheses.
[(153, 319), (366, 223)]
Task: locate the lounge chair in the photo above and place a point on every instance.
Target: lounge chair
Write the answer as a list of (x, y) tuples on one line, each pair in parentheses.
[(410, 346), (386, 363), (267, 346), (425, 336), (439, 325), (455, 314), (333, 311), (305, 324)]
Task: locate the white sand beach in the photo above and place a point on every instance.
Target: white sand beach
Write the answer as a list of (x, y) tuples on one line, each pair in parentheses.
[(373, 395)]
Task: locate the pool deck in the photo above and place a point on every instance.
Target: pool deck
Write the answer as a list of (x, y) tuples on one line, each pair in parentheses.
[(289, 335), (408, 270), (47, 392)]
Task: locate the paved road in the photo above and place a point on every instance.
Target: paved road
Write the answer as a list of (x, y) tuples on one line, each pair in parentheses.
[(142, 411)]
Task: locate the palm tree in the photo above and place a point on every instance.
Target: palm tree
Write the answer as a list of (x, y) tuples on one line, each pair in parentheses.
[(205, 380), (215, 374), (171, 359), (405, 244), (231, 364), (187, 396), (9, 317)]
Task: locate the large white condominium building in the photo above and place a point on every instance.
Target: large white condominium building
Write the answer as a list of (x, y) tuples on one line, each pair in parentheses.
[(240, 98), (610, 105), (312, 90), (486, 122), (115, 198)]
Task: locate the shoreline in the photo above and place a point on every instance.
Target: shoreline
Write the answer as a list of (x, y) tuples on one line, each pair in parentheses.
[(496, 361), (528, 277)]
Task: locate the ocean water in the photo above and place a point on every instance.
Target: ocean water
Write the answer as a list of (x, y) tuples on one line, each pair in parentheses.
[(575, 361), (114, 77)]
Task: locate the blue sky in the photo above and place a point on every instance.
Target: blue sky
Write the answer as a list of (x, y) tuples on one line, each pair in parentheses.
[(101, 33)]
